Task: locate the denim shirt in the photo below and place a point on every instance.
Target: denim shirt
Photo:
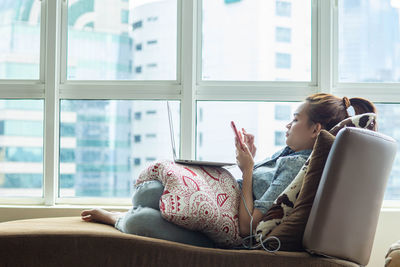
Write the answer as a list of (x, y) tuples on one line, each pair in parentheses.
[(272, 175)]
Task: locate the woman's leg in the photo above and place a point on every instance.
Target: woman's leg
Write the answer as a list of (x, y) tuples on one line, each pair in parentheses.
[(148, 222), (148, 194)]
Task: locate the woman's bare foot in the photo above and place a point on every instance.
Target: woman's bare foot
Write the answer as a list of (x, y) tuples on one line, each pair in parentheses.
[(101, 216)]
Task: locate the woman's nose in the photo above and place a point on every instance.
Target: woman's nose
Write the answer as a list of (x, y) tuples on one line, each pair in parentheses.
[(288, 125)]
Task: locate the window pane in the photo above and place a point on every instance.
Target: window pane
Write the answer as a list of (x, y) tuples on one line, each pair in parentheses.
[(266, 120), (20, 39), (369, 41), (105, 144), (389, 124), (21, 148), (242, 40), (125, 40)]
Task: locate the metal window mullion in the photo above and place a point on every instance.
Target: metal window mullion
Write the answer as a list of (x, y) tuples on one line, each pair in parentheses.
[(325, 46), (51, 118), (64, 42), (187, 37), (42, 42)]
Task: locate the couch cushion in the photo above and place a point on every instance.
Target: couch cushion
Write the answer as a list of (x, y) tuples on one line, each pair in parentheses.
[(290, 231), (68, 241)]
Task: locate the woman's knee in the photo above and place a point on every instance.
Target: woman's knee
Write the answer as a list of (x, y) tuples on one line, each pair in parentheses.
[(148, 194)]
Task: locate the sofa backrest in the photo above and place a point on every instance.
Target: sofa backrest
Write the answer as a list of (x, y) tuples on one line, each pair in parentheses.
[(344, 216)]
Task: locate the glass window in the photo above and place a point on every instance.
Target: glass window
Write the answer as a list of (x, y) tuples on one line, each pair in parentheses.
[(137, 25), (124, 16), (369, 40), (136, 161), (282, 61), (95, 158), (21, 148), (215, 139), (283, 34), (240, 41), (138, 116), (231, 1), (20, 39), (389, 124), (283, 112), (283, 8), (100, 38), (151, 42), (280, 138), (137, 138)]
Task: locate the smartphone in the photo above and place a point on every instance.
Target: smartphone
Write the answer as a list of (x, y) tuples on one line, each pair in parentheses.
[(238, 136)]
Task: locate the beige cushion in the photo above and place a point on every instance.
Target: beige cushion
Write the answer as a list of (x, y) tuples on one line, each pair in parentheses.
[(69, 241)]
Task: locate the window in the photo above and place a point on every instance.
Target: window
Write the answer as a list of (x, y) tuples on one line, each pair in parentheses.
[(98, 94), (241, 46), (21, 148), (283, 61), (124, 16), (137, 25), (151, 42), (138, 116), (137, 138), (151, 19), (20, 39), (389, 123), (99, 44), (283, 8), (283, 34), (231, 1), (136, 161), (283, 112), (280, 138), (215, 139), (98, 148), (367, 53)]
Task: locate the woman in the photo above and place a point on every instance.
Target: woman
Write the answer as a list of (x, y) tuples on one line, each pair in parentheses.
[(261, 182)]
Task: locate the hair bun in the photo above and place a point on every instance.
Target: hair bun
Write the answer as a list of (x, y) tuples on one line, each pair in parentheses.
[(346, 102)]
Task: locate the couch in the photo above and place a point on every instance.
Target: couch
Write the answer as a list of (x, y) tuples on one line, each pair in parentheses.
[(339, 232)]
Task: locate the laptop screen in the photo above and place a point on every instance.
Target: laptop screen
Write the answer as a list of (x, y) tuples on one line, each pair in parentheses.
[(171, 130)]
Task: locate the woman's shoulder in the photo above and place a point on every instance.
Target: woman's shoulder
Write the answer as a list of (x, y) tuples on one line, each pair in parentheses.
[(299, 156)]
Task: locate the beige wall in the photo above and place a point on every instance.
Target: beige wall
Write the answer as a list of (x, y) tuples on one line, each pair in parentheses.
[(388, 229)]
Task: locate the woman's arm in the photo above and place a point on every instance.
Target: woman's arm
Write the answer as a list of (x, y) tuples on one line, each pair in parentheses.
[(244, 217), (245, 162)]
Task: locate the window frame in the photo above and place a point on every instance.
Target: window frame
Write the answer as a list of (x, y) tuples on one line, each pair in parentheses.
[(188, 88)]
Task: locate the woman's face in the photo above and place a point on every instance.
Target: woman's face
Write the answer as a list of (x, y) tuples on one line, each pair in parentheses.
[(301, 134)]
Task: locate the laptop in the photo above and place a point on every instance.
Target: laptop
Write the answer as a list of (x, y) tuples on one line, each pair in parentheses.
[(189, 161)]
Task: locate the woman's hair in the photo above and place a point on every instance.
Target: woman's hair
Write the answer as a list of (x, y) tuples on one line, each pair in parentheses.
[(329, 110)]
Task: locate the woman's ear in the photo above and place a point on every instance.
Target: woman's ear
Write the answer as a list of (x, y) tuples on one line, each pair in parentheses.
[(317, 128)]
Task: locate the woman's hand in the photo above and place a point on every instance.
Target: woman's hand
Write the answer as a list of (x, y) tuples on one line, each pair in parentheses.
[(249, 141), (244, 157)]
